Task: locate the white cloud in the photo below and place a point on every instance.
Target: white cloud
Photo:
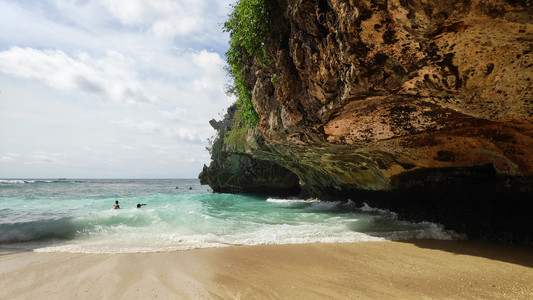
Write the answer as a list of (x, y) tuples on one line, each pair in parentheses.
[(42, 157), (208, 60), (91, 150), (176, 115), (182, 26), (144, 126), (167, 130), (134, 12), (213, 78), (108, 78), (165, 18), (7, 159)]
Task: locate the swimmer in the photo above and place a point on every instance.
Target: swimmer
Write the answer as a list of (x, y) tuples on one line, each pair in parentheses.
[(116, 206), (139, 205)]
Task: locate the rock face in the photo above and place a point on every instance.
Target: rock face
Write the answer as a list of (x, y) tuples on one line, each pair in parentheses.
[(236, 172), (421, 106), (241, 173)]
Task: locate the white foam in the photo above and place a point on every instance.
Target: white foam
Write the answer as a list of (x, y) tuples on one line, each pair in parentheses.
[(290, 201), (368, 209), (215, 242), (248, 234), (12, 181)]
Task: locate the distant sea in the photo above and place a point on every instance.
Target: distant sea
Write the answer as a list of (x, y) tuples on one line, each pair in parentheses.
[(64, 215)]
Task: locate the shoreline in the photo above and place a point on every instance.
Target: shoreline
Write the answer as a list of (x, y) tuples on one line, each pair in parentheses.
[(408, 269)]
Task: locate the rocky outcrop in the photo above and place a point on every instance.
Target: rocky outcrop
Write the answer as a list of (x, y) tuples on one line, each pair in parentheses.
[(421, 106), (241, 173), (236, 172)]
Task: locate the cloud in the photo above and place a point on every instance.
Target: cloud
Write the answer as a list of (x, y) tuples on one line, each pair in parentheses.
[(42, 157), (176, 115), (164, 18), (213, 78), (109, 77), (9, 157), (169, 131), (91, 150)]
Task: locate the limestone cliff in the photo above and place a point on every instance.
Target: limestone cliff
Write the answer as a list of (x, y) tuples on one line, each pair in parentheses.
[(421, 106)]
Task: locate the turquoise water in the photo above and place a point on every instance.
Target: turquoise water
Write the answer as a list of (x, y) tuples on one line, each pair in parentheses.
[(77, 216)]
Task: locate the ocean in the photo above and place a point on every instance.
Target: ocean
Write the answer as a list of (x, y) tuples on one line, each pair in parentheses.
[(77, 216)]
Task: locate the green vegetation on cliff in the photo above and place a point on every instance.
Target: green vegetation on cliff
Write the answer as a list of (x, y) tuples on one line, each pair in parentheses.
[(248, 26), (236, 138)]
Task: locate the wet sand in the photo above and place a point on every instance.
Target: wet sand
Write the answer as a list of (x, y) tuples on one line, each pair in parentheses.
[(371, 270)]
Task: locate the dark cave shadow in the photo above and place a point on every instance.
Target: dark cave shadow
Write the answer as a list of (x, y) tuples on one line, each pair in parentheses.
[(518, 255)]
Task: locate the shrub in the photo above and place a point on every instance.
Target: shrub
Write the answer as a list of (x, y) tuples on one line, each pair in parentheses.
[(248, 25), (236, 139)]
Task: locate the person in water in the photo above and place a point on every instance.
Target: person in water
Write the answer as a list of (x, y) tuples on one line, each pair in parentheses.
[(116, 206), (139, 205)]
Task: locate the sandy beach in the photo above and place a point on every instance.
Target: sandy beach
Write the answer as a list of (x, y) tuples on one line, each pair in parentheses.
[(420, 269)]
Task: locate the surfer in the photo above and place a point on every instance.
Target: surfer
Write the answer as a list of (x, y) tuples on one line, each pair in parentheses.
[(139, 205), (116, 206)]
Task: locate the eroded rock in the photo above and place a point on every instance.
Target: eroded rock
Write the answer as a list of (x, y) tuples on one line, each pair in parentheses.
[(404, 104)]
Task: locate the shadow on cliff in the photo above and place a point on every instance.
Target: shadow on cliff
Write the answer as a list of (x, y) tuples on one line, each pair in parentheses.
[(518, 255), (473, 200)]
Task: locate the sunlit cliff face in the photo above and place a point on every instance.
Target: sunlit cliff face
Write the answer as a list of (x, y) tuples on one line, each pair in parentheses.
[(368, 90)]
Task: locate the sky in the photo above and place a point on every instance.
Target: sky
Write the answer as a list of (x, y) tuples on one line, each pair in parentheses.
[(110, 88)]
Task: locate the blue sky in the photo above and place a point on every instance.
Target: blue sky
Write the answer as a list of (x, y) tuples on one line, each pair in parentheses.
[(110, 88)]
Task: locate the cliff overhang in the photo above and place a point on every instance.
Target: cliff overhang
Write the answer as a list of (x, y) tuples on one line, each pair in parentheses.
[(422, 107)]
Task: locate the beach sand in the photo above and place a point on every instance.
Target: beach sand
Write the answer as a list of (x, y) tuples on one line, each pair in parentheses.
[(420, 269)]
